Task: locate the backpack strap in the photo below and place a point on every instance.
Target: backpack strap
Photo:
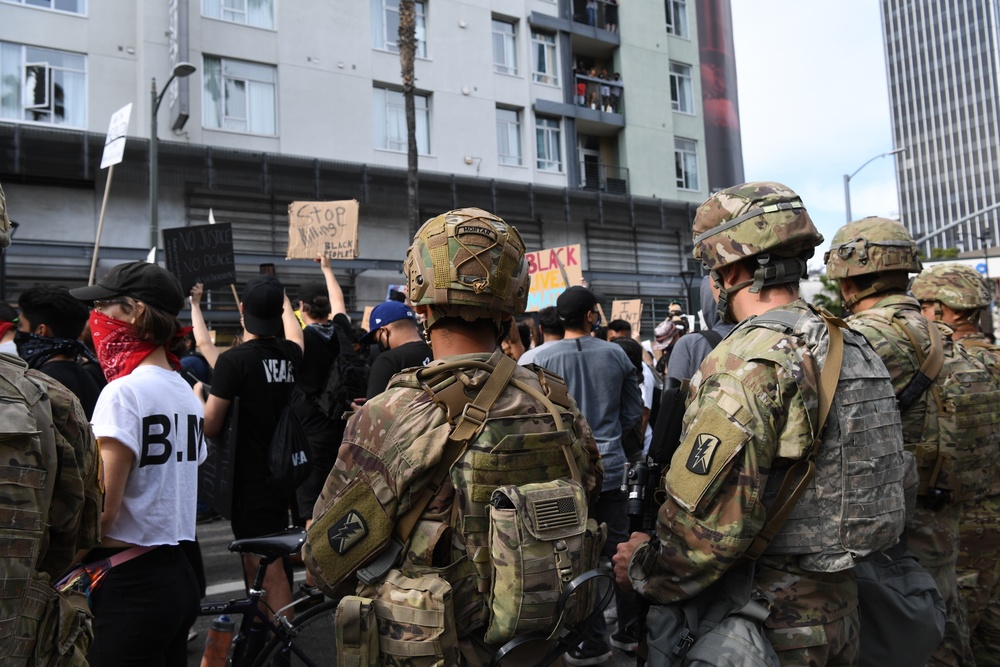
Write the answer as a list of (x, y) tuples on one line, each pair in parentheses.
[(805, 468), (472, 417), (930, 366), (712, 336)]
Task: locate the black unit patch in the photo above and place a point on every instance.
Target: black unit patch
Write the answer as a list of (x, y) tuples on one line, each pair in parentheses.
[(700, 460), (347, 532)]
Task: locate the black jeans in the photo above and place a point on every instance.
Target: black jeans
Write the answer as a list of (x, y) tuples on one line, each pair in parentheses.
[(611, 509), (143, 609)]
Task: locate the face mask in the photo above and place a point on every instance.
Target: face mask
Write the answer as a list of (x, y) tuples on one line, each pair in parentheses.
[(118, 348), (383, 347), (37, 350)]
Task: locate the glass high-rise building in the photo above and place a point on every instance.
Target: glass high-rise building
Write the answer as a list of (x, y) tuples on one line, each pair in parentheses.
[(943, 64)]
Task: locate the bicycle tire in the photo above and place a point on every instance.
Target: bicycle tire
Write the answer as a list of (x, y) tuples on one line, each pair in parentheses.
[(313, 632)]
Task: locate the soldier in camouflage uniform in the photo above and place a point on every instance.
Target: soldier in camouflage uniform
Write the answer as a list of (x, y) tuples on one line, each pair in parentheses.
[(50, 501), (872, 259), (749, 418), (956, 295), (466, 276)]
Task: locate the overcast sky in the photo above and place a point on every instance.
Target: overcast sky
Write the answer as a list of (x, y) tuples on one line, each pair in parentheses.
[(814, 103)]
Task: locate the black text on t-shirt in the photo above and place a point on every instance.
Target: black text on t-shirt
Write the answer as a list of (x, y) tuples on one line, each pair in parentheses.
[(278, 370), (156, 444)]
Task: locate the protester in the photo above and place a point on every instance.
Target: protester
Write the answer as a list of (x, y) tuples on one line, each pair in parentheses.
[(51, 479), (393, 327), (513, 343), (202, 337), (260, 373), (148, 425), (687, 352), (551, 330), (395, 443), (755, 411), (665, 335), (51, 321), (618, 329), (603, 383)]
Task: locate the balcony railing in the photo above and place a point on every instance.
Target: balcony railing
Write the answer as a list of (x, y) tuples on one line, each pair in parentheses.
[(604, 177), (599, 13), (601, 94)]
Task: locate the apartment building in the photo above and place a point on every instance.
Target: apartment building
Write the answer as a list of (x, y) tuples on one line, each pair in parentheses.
[(576, 124), (943, 62)]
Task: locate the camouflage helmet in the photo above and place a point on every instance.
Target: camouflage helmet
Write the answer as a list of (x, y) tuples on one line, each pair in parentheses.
[(751, 219), (871, 245), (467, 263), (4, 221), (957, 286)]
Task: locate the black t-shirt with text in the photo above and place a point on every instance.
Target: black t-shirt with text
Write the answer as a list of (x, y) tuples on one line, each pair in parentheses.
[(261, 372), (77, 379)]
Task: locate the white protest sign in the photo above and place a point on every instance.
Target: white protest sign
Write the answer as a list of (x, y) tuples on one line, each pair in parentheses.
[(114, 143)]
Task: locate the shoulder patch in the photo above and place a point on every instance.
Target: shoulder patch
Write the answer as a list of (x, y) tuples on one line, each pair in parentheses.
[(713, 440), (347, 532)]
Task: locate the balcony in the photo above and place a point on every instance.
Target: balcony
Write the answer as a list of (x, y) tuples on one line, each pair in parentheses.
[(603, 14), (593, 92), (596, 175)]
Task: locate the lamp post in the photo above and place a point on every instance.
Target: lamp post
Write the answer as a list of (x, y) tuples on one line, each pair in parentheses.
[(180, 70), (984, 238), (847, 179)]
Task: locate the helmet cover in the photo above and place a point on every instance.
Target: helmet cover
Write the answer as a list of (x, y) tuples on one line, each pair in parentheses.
[(957, 286), (871, 245)]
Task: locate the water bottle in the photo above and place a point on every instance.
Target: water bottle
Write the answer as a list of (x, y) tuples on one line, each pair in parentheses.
[(220, 639)]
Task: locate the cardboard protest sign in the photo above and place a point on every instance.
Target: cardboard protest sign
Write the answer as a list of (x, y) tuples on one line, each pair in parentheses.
[(201, 254), (114, 142), (366, 316), (328, 227), (629, 310), (552, 271)]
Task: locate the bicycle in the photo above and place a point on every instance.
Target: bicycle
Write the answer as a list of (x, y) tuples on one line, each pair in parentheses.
[(308, 640)]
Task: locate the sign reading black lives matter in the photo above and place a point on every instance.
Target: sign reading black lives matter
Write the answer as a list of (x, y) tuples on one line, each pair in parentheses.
[(201, 254), (327, 227)]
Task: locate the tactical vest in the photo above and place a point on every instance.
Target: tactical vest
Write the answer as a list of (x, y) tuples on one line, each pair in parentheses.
[(988, 355), (854, 504), (28, 474), (511, 450), (960, 448)]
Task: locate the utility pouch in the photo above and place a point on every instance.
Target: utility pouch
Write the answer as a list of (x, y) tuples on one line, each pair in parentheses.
[(65, 629), (357, 632), (416, 621), (538, 544), (351, 533)]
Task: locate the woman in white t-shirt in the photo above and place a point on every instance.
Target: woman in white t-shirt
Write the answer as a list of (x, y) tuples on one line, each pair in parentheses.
[(149, 426)]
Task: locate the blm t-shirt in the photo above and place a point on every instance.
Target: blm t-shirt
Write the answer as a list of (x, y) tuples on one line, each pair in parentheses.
[(261, 373), (390, 362)]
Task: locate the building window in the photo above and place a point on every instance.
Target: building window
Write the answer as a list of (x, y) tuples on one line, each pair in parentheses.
[(504, 47), (686, 160), (239, 96), (508, 137), (677, 17), (544, 58), (256, 13), (681, 98), (42, 85), (70, 6), (548, 142), (385, 26), (390, 121)]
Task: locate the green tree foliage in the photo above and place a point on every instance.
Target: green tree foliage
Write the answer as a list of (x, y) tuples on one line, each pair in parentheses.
[(829, 296)]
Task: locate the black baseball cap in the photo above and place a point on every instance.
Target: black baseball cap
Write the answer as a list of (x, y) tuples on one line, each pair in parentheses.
[(263, 303), (575, 302), (142, 281)]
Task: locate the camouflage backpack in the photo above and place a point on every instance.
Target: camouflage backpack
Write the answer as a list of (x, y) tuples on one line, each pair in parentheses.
[(961, 437), (50, 509), (517, 534)]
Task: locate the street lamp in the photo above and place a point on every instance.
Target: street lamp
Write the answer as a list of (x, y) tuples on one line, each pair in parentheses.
[(180, 70), (847, 179)]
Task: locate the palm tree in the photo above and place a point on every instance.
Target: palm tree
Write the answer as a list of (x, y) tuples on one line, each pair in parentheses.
[(829, 297), (407, 50)]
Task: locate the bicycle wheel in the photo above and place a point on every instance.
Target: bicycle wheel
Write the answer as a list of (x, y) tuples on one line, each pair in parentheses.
[(313, 633)]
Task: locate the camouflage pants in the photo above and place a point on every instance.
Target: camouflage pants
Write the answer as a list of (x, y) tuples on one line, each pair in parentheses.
[(933, 537), (833, 644), (979, 577)]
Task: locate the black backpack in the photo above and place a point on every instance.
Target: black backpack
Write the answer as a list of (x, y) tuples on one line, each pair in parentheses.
[(346, 381)]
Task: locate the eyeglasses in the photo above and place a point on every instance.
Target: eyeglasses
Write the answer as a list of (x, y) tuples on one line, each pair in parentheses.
[(101, 304)]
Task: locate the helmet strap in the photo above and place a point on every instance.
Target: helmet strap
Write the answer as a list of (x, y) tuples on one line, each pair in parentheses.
[(880, 285), (724, 307)]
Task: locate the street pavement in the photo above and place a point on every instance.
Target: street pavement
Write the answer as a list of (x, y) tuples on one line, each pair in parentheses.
[(225, 581)]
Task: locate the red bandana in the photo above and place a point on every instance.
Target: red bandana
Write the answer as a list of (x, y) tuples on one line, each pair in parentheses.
[(5, 327), (117, 347)]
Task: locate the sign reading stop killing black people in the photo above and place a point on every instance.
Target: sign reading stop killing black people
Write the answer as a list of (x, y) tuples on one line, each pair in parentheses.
[(201, 254), (329, 228)]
